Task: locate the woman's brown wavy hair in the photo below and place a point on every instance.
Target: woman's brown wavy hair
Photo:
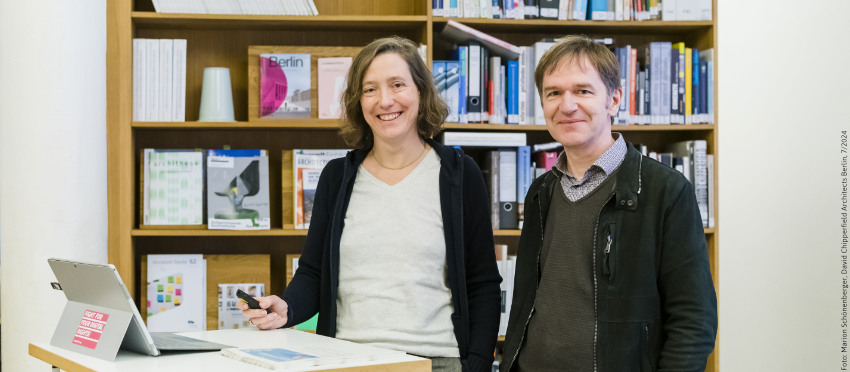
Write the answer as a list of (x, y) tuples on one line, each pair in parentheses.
[(432, 110)]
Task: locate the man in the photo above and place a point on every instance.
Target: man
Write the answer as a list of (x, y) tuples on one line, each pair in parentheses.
[(612, 266)]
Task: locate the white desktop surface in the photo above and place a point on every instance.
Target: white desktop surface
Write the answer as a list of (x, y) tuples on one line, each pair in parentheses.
[(214, 361)]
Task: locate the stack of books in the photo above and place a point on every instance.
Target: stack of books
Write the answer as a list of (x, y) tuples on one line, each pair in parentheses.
[(577, 10), (249, 7), (159, 80)]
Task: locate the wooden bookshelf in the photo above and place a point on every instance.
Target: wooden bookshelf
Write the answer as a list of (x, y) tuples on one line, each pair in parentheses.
[(223, 41)]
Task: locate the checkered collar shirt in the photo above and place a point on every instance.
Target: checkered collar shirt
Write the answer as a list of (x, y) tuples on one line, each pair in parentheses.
[(606, 164)]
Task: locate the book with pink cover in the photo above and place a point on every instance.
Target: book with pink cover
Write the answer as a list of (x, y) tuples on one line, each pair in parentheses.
[(285, 86), (332, 75)]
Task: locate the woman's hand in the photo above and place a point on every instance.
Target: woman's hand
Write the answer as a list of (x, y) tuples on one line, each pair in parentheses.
[(274, 320)]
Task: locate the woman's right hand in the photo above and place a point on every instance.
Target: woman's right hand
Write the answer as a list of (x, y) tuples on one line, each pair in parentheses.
[(265, 321)]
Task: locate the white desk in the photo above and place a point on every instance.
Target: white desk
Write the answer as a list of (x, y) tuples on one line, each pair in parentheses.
[(213, 361)]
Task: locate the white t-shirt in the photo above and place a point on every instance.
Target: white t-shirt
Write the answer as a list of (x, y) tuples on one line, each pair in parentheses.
[(393, 289)]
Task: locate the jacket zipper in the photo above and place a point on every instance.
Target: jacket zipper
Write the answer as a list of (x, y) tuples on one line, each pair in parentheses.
[(606, 262), (536, 274), (595, 286)]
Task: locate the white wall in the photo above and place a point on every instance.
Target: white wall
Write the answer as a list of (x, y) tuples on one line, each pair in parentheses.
[(52, 159), (783, 97)]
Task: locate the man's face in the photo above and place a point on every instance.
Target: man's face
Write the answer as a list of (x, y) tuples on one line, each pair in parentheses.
[(576, 105)]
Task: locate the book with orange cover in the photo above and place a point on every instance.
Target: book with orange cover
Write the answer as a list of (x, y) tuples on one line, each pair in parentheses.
[(307, 167)]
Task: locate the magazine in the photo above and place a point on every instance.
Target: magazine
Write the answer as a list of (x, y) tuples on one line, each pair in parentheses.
[(332, 75), (285, 86), (238, 190), (176, 296), (308, 165)]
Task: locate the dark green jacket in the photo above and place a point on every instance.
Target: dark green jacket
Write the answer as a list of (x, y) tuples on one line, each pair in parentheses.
[(656, 309)]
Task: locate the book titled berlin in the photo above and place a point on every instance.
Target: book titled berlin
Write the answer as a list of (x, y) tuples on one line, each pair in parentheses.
[(285, 86)]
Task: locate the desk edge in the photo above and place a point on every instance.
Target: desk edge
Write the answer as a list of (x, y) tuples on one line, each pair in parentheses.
[(56, 360)]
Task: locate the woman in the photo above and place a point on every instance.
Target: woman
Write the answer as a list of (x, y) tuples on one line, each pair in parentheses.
[(399, 253)]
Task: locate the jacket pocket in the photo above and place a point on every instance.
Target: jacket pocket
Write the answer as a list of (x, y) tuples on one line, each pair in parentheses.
[(609, 252)]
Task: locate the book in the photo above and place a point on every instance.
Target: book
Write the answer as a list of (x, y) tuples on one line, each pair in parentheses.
[(229, 316), (502, 265), (152, 90), (332, 84), (599, 10), (173, 187), (461, 54), (530, 9), (140, 47), (307, 167), (545, 159), (709, 162), (238, 190), (539, 48), (176, 291), (508, 189), (166, 64), (549, 8), (179, 81), (512, 91), (306, 353), (452, 94), (473, 97), (285, 86), (483, 139), (524, 177), (462, 34), (490, 171)]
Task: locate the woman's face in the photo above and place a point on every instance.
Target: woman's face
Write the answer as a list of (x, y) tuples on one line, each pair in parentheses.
[(390, 99)]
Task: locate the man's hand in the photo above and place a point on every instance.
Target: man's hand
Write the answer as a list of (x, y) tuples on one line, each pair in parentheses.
[(274, 320)]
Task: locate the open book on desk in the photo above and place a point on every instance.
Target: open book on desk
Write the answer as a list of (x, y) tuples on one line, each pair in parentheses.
[(305, 356)]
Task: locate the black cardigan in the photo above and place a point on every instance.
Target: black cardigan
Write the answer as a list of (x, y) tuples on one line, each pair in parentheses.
[(472, 273)]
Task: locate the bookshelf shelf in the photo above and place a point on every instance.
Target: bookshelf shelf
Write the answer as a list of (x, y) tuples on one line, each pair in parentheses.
[(329, 124), (537, 25), (317, 124), (615, 128), (151, 20), (272, 232)]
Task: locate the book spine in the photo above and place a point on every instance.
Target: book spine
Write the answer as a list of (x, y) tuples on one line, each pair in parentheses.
[(523, 181), (711, 92), (665, 84), (618, 10), (599, 10), (139, 86), (166, 60), (709, 162), (474, 87), (611, 16), (682, 83), (522, 88), (688, 85), (621, 56), (484, 8), (436, 8), (701, 179), (447, 8), (696, 87), (179, 81), (152, 76), (632, 83), (668, 10), (513, 92), (494, 189), (463, 61), (652, 66), (485, 85), (703, 83), (674, 85), (530, 9)]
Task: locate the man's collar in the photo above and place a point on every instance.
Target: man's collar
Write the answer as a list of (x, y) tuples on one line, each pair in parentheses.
[(608, 162)]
